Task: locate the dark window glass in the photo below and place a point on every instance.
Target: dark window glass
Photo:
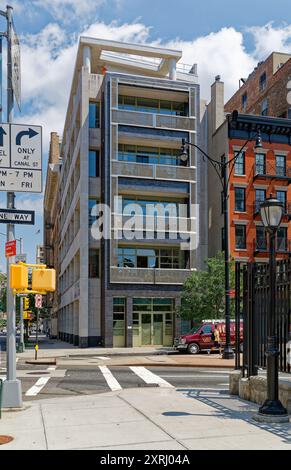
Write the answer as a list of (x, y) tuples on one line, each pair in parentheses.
[(93, 263), (282, 239), (261, 239), (244, 99), (264, 107), (260, 197), (260, 164), (280, 165), (239, 194), (240, 237), (281, 196), (93, 163), (91, 204), (263, 81), (239, 166), (94, 120)]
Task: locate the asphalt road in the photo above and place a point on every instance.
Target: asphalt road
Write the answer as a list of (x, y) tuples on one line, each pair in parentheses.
[(39, 382)]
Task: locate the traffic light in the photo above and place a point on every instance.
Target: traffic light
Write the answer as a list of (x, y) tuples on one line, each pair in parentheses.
[(18, 276), (25, 303), (43, 280)]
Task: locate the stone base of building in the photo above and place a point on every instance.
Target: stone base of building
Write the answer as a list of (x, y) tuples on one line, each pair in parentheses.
[(81, 341), (255, 389)]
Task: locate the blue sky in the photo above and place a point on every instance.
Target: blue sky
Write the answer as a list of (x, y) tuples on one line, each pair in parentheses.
[(224, 37)]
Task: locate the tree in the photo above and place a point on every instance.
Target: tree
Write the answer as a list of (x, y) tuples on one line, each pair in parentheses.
[(203, 292)]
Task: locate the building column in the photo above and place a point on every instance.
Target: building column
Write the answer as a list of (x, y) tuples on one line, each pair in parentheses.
[(172, 71), (87, 58)]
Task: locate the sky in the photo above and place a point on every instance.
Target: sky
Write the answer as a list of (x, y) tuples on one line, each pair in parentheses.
[(223, 37)]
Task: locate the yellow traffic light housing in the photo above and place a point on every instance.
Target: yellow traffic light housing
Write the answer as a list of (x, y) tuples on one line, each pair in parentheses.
[(25, 303), (18, 276), (43, 280)]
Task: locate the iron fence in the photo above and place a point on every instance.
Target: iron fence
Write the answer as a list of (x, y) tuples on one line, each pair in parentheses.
[(251, 307)]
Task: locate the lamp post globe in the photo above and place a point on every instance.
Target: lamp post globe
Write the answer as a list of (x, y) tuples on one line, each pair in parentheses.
[(271, 211)]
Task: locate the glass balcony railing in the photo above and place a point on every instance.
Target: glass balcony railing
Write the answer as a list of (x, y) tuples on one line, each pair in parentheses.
[(149, 159)]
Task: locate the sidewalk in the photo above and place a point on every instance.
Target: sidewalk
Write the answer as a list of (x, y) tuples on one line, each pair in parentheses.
[(148, 418), (146, 356)]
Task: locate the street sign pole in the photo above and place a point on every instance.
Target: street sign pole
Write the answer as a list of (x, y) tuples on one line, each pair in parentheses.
[(22, 347), (12, 394)]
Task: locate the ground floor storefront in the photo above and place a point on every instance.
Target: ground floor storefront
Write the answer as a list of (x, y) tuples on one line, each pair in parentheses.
[(152, 321)]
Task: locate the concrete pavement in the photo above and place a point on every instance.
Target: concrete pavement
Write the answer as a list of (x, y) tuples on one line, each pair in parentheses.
[(148, 418)]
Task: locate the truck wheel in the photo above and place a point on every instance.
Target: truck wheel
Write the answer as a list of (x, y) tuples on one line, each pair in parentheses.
[(193, 348)]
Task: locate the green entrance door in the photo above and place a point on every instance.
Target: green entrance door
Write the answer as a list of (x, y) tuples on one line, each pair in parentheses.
[(146, 329)]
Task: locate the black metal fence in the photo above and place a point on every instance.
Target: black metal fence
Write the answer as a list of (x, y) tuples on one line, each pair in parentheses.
[(251, 307)]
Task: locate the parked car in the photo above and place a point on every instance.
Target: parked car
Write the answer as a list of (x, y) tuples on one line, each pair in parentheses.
[(199, 338)]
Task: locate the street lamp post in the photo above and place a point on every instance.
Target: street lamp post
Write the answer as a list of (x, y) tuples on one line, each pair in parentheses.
[(271, 211), (223, 170)]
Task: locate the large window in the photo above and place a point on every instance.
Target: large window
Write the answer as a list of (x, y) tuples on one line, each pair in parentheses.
[(151, 105), (260, 196), (280, 165), (240, 203), (93, 263), (264, 107), (147, 205), (163, 258), (94, 115), (260, 164), (93, 163), (239, 166), (240, 237), (152, 155)]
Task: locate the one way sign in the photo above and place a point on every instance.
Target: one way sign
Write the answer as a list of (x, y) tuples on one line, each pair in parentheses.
[(20, 158)]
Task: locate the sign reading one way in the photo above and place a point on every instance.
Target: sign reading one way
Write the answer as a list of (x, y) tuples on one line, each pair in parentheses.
[(20, 158)]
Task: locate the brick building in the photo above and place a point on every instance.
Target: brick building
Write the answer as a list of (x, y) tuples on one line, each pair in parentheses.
[(265, 90), (256, 174)]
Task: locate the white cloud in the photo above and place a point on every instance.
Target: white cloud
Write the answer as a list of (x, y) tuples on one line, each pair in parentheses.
[(68, 10), (269, 38), (48, 59)]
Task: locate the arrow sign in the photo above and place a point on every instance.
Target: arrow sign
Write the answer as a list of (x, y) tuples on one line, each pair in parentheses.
[(2, 133), (31, 133)]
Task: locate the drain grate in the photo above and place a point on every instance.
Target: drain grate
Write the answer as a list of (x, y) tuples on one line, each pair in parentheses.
[(5, 439)]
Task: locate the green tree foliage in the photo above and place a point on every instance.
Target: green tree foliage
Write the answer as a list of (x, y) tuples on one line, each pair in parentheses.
[(203, 291)]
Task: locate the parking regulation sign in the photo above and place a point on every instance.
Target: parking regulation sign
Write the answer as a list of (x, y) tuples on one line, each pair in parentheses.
[(10, 248), (38, 301)]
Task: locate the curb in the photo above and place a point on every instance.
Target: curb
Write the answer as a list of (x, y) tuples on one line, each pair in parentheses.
[(42, 362)]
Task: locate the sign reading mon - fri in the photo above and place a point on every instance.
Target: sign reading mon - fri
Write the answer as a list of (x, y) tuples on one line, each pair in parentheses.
[(20, 158)]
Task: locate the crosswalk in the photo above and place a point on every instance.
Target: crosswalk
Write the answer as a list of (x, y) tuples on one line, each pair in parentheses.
[(53, 381)]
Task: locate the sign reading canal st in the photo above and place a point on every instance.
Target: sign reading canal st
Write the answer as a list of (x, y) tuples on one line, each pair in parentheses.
[(20, 158)]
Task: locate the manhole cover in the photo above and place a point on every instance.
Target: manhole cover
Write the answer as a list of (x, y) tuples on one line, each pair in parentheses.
[(5, 439), (38, 372)]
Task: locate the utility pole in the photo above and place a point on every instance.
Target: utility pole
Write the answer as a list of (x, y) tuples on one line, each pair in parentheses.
[(12, 394), (22, 348)]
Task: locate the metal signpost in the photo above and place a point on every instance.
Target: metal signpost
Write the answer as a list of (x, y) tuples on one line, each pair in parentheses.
[(20, 170), (38, 305)]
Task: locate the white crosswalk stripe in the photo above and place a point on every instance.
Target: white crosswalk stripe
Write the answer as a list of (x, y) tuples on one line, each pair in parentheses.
[(149, 377), (110, 379), (37, 387)]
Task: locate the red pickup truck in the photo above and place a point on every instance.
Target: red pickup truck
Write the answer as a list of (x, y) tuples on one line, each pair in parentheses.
[(200, 338)]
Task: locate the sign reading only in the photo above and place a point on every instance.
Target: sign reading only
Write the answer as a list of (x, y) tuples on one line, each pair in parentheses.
[(20, 158), (14, 216)]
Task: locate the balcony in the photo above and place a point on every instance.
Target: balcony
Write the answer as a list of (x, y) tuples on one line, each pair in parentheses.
[(146, 170), (174, 229), (159, 121), (272, 171), (148, 275)]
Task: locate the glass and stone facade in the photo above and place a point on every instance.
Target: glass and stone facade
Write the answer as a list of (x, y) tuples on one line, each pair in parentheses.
[(129, 108)]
